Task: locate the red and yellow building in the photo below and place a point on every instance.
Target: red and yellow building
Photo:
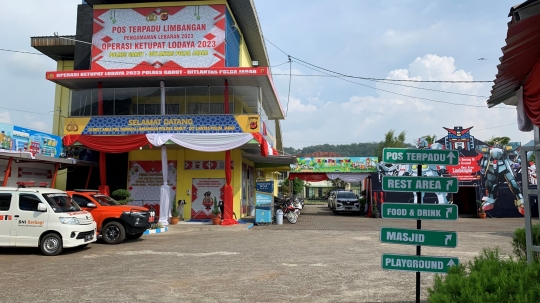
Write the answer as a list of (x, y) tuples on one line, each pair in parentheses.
[(174, 99)]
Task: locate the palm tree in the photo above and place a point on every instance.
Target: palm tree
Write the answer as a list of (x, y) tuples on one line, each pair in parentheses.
[(430, 139), (502, 140), (390, 140)]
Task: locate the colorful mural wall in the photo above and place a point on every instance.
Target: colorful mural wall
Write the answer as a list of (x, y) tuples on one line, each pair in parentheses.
[(335, 164), (20, 139), (489, 176)]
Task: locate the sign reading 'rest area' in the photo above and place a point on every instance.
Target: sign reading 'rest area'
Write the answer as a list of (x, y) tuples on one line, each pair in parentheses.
[(415, 211), (421, 156), (420, 184)]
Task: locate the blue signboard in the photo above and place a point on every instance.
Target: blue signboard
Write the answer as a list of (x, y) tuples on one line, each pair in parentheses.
[(266, 186)]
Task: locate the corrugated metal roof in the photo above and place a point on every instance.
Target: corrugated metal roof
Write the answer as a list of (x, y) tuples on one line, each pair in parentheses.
[(55, 47), (520, 53)]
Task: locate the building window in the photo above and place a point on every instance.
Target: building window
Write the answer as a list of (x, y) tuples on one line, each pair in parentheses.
[(208, 108)]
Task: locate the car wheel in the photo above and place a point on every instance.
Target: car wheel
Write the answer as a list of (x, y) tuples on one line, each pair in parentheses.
[(134, 236), (113, 233), (51, 245)]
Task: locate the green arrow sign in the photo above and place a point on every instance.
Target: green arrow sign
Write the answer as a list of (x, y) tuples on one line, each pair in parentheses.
[(421, 156), (413, 211), (422, 184), (418, 263), (418, 237)]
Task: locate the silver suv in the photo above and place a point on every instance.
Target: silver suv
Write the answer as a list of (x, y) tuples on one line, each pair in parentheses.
[(344, 200)]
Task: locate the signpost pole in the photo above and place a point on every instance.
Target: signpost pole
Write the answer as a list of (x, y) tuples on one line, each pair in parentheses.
[(418, 226)]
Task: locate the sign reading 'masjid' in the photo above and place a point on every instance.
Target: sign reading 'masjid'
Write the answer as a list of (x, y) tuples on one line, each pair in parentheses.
[(170, 37)]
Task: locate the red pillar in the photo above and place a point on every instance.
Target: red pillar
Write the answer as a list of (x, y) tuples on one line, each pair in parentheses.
[(228, 194), (88, 177), (8, 171), (53, 182)]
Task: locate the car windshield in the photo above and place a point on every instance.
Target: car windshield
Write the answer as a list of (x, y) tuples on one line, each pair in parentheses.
[(61, 203), (346, 195), (104, 200)]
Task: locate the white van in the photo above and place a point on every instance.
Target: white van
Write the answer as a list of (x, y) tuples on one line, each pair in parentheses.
[(45, 218)]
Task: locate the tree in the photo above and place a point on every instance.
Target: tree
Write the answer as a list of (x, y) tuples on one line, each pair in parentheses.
[(430, 139), (502, 140), (338, 183), (298, 186), (390, 140)]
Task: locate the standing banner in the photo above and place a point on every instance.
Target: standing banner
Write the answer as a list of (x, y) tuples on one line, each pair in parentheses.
[(204, 192), (145, 180)]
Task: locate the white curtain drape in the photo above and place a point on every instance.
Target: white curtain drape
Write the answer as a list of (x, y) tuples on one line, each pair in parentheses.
[(524, 122), (348, 177), (202, 142), (165, 190)]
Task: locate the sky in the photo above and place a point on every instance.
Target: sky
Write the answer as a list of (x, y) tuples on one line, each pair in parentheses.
[(399, 39)]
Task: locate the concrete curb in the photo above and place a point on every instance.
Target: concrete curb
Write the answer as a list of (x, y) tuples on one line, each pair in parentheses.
[(156, 231)]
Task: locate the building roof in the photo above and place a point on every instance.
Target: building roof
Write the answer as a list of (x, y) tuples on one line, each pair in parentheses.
[(520, 53)]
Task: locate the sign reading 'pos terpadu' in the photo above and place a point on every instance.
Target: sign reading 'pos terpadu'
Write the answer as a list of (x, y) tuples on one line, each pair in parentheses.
[(154, 37), (421, 156)]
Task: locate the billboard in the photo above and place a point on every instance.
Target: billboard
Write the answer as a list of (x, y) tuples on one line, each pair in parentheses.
[(16, 138), (335, 165), (169, 37)]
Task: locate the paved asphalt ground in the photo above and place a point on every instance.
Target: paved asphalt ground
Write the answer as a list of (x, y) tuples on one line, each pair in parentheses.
[(322, 258)]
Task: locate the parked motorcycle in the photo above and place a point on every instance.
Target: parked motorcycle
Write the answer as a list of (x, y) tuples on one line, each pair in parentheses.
[(289, 211)]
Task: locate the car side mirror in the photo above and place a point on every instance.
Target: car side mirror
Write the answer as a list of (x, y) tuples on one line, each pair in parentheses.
[(42, 207), (91, 205)]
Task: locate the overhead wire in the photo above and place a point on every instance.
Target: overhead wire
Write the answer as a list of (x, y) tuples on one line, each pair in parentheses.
[(390, 83), (408, 96)]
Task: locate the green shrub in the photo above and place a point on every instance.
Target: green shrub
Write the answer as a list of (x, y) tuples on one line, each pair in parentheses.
[(488, 278), (519, 245), (122, 196)]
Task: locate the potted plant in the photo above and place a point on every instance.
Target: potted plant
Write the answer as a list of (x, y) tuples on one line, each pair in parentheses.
[(175, 215), (362, 202), (481, 212), (375, 211), (216, 213)]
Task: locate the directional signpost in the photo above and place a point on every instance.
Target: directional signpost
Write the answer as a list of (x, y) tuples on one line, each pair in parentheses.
[(418, 263), (422, 184), (419, 237), (421, 156), (419, 212)]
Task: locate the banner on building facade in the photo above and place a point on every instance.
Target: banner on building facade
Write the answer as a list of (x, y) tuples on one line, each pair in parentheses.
[(145, 180), (335, 164), (150, 72), (204, 193), (170, 124), (171, 37)]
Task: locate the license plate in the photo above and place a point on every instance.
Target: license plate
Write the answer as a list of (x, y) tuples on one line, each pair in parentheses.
[(88, 238), (348, 208)]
